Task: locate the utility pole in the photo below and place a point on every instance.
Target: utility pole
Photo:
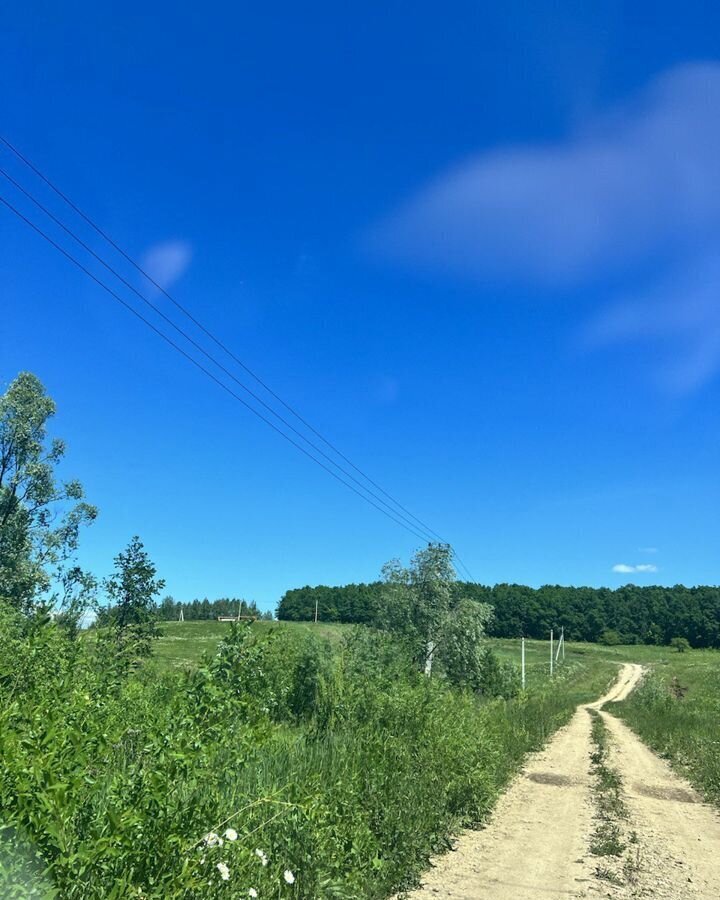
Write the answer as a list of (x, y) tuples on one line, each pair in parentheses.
[(316, 609), (552, 661), (182, 617), (522, 661), (563, 643)]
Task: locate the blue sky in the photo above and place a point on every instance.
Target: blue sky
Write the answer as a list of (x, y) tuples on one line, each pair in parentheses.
[(477, 247)]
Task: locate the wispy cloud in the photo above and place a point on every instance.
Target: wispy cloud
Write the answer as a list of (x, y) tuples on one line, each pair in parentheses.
[(647, 549), (167, 261), (681, 314), (634, 189), (624, 569), (634, 181)]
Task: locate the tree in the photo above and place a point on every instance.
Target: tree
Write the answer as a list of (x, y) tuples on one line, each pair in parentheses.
[(421, 606), (132, 589), (681, 644), (40, 518)]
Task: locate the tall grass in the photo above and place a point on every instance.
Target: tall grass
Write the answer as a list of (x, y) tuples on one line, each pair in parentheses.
[(676, 711), (342, 765)]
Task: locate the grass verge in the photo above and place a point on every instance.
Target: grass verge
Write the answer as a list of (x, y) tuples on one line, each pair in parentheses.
[(676, 712)]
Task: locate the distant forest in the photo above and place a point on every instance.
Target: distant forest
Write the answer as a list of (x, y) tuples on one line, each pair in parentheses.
[(168, 610), (627, 615)]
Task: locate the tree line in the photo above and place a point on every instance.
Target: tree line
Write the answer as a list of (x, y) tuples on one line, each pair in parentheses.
[(631, 614), (169, 609)]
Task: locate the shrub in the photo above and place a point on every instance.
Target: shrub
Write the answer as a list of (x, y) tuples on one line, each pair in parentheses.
[(680, 644)]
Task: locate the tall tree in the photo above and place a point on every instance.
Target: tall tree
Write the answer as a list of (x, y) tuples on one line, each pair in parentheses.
[(421, 605), (132, 588), (40, 517)]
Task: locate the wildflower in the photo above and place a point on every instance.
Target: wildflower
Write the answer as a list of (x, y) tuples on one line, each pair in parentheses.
[(213, 840), (288, 876), (252, 893), (224, 871), (262, 856), (230, 834)]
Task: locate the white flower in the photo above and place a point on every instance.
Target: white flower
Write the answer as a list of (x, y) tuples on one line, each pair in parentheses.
[(262, 856), (252, 892), (288, 876), (224, 871), (230, 834), (213, 840)]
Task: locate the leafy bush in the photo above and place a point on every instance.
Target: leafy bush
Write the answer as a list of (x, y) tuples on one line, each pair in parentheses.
[(680, 644), (345, 769)]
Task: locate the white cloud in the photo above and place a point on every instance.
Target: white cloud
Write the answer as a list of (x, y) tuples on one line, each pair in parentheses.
[(641, 180), (624, 569), (648, 549), (167, 261), (682, 313), (634, 190)]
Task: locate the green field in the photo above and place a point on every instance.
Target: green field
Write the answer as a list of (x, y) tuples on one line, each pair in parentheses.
[(184, 643)]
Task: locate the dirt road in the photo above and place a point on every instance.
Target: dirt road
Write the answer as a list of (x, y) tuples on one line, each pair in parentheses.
[(537, 843)]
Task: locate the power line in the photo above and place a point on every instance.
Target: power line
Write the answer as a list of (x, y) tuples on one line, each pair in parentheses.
[(404, 514), (199, 347), (213, 337), (198, 365)]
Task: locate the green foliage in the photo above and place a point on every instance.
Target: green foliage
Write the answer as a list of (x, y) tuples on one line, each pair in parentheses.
[(680, 644), (421, 608), (40, 518), (169, 609), (649, 615), (611, 638), (355, 604), (132, 589), (341, 763)]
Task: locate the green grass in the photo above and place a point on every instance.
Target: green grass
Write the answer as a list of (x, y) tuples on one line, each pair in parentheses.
[(185, 643), (676, 711)]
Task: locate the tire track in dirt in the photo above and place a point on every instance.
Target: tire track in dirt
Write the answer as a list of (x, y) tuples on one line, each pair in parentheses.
[(537, 841)]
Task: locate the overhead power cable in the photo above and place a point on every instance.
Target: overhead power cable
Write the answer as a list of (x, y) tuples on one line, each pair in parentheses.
[(198, 365), (186, 312), (202, 350)]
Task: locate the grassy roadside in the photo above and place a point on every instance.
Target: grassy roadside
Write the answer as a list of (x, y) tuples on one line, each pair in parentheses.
[(676, 711), (343, 766)]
